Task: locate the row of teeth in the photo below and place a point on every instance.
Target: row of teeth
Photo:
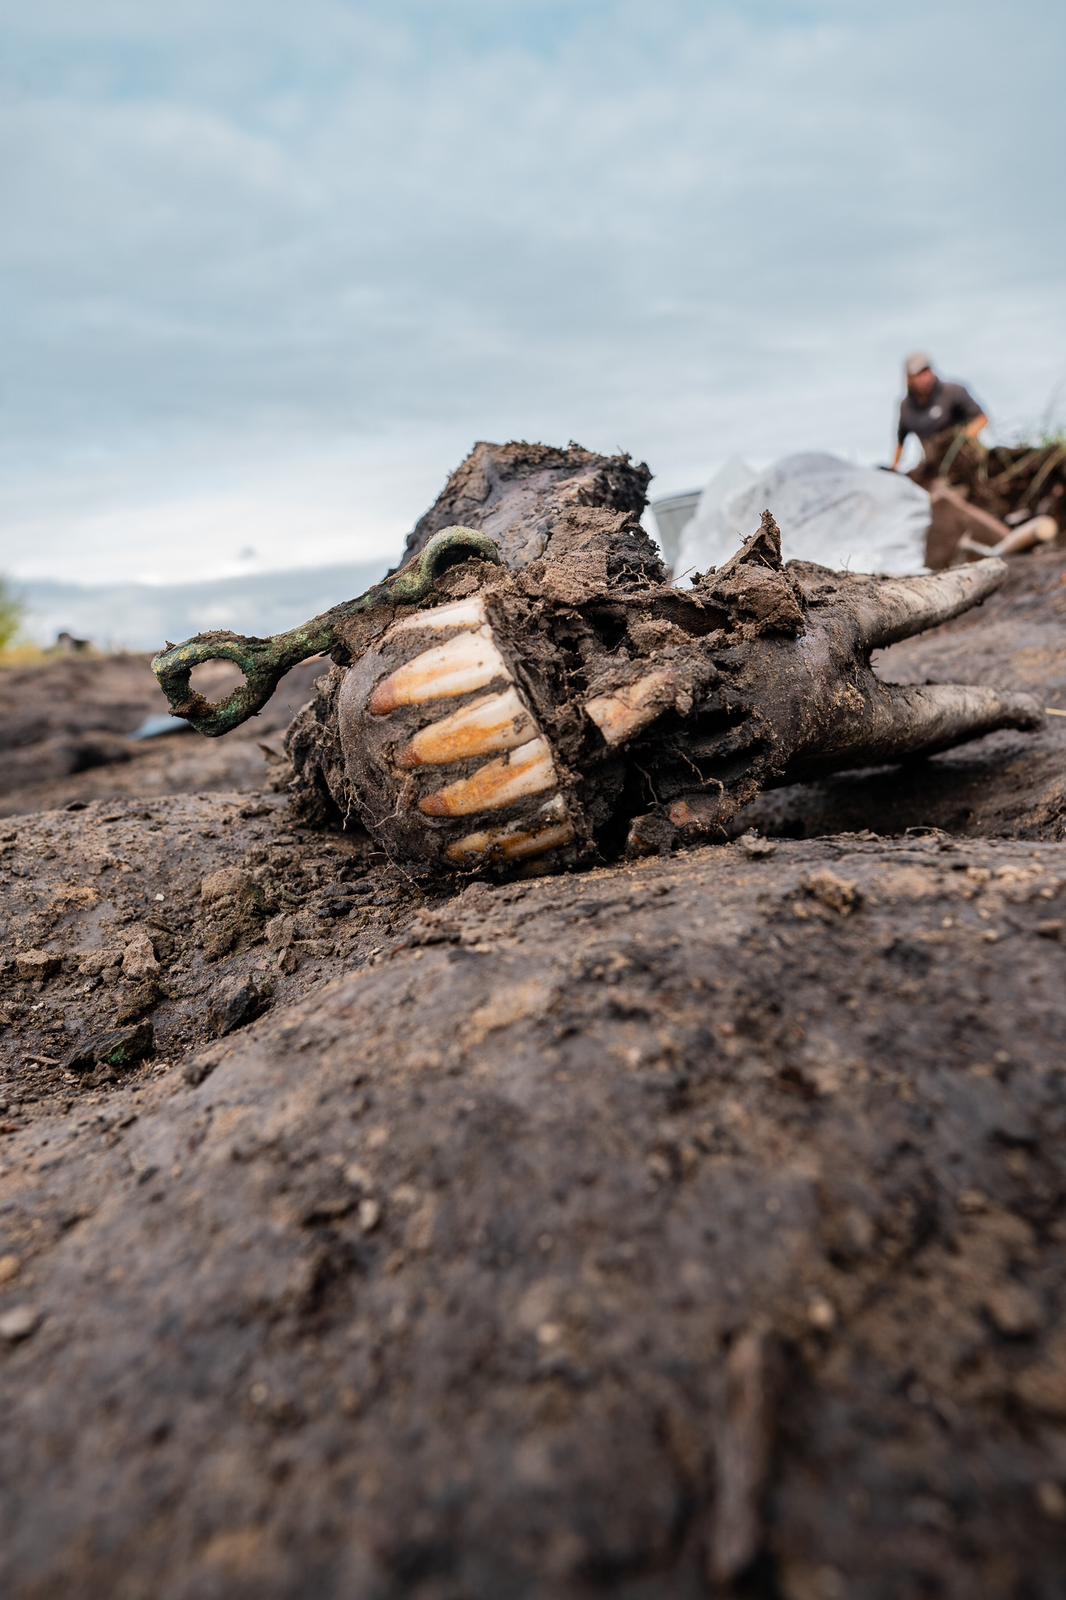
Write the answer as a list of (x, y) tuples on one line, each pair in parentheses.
[(496, 725)]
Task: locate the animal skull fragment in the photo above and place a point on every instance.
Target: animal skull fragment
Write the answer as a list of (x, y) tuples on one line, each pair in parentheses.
[(529, 706), (499, 728)]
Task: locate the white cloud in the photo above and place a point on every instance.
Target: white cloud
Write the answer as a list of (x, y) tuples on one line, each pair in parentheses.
[(267, 262)]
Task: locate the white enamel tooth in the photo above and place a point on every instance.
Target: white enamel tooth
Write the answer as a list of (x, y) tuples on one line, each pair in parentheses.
[(510, 844), (496, 722), (469, 613), (626, 710), (468, 661), (529, 770)]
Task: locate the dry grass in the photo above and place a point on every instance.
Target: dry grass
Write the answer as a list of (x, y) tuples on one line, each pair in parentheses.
[(21, 653)]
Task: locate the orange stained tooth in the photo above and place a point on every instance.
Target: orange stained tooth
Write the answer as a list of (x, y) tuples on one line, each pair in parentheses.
[(469, 613), (625, 711), (526, 771), (496, 722), (511, 846), (467, 661)]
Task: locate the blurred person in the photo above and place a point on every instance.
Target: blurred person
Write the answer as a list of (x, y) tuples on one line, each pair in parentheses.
[(931, 406)]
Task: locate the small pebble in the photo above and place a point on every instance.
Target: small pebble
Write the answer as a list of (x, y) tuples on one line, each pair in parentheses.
[(280, 932), (369, 1214), (820, 1313), (10, 1267), (138, 957), (19, 1323), (1051, 1499), (1014, 1310), (239, 1001)]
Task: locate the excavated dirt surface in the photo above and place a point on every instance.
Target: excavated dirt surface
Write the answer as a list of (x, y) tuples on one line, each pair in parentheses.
[(65, 726), (690, 1227), (186, 916)]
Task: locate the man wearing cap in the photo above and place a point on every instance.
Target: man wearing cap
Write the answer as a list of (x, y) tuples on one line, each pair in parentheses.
[(931, 406)]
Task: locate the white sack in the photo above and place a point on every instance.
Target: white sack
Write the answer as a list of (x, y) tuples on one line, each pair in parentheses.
[(831, 511)]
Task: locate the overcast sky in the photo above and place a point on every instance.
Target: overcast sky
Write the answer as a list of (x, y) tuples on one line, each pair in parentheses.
[(271, 266)]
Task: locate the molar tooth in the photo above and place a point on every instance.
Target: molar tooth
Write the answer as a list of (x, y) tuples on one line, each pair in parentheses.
[(624, 711), (511, 845), (469, 613), (526, 771), (496, 722), (467, 661)]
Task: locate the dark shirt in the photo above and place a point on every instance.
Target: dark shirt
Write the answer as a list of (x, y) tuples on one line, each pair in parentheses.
[(949, 406)]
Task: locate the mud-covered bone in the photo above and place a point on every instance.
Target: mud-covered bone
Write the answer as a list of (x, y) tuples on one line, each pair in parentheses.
[(571, 704), (799, 705), (539, 503)]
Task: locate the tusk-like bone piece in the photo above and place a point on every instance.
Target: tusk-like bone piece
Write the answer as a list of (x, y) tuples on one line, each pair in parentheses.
[(623, 712), (529, 770), (920, 719), (495, 722), (468, 661), (469, 613), (900, 721), (510, 844), (896, 608)]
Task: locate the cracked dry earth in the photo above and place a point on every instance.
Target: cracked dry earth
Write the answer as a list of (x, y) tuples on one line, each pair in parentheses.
[(691, 1227)]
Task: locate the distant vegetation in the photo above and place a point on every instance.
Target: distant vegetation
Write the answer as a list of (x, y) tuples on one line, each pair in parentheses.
[(1044, 431), (10, 616), (1051, 429), (1043, 434)]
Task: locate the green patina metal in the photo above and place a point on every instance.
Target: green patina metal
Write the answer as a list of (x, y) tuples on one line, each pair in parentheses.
[(264, 662)]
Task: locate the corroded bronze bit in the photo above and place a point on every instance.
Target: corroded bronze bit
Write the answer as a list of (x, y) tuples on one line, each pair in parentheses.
[(265, 662)]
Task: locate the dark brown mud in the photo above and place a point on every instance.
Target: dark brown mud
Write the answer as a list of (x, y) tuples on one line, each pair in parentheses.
[(694, 1227), (690, 1227)]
